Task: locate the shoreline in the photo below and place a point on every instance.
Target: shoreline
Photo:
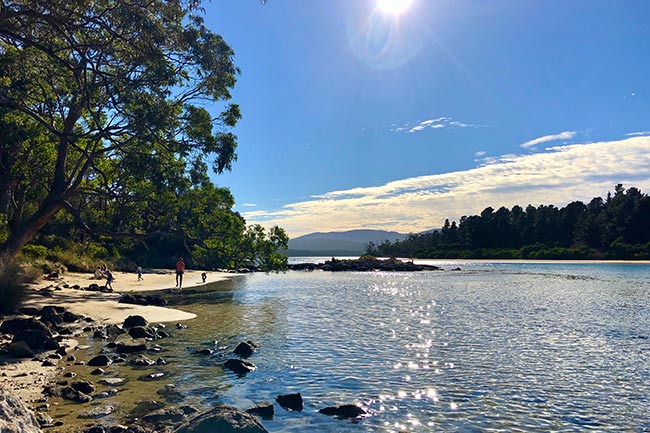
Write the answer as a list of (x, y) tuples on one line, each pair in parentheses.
[(27, 378)]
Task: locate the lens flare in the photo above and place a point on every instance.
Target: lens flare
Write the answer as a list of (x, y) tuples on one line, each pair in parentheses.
[(394, 7)]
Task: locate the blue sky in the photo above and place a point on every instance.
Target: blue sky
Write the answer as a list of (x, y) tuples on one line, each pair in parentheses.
[(357, 118)]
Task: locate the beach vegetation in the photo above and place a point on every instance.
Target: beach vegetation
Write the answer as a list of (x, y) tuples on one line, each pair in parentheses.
[(12, 285), (107, 143)]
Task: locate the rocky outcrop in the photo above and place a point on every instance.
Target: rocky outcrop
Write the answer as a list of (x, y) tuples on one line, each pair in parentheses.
[(364, 264), (290, 401), (14, 415), (239, 366), (222, 419)]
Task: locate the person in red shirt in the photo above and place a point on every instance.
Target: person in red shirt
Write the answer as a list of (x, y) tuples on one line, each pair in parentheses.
[(180, 268)]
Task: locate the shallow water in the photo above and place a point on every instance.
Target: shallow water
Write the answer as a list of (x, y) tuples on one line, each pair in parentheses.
[(493, 347)]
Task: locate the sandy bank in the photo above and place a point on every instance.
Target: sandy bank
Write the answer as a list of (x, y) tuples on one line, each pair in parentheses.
[(104, 308), (26, 378)]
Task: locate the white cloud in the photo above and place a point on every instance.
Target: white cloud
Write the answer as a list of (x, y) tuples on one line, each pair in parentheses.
[(249, 205), (437, 123), (480, 153), (556, 176), (566, 135), (638, 134)]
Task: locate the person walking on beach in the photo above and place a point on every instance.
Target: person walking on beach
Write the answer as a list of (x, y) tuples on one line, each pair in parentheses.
[(139, 271), (180, 268), (109, 279)]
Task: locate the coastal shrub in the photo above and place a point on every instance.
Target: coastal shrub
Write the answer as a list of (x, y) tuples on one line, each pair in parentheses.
[(34, 251), (12, 286)]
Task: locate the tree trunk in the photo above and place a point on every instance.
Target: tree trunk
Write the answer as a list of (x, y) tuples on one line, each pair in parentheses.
[(22, 234)]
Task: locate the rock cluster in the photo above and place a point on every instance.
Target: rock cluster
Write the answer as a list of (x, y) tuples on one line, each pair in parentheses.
[(364, 264)]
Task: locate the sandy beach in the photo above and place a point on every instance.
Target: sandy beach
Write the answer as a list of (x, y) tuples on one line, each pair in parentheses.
[(27, 378)]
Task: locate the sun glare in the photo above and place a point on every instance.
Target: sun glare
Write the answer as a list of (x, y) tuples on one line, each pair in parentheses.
[(394, 7)]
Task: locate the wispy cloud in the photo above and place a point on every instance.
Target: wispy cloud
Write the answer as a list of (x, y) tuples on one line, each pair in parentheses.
[(437, 123), (249, 205), (566, 135), (557, 175), (638, 134)]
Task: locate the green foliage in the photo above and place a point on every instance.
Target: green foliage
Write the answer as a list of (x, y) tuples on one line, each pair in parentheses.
[(615, 228), (259, 249), (34, 251)]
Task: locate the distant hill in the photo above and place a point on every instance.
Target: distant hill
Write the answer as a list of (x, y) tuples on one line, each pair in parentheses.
[(351, 242)]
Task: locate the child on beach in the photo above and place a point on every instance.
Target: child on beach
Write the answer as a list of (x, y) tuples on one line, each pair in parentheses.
[(109, 279), (139, 271)]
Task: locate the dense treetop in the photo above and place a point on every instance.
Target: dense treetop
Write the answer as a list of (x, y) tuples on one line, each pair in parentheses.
[(104, 104), (617, 227)]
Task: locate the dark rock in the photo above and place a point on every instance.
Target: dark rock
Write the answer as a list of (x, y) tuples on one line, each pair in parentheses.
[(84, 386), (70, 374), (15, 417), (96, 429), (127, 344), (132, 321), (55, 356), (118, 429), (365, 264), (141, 332), (245, 349), (239, 366), (19, 349), (61, 351), (181, 326), (263, 410), (48, 363), (13, 326), (100, 361), (290, 401), (97, 372), (37, 338), (162, 334), (343, 411), (206, 352), (44, 420), (142, 361), (54, 310), (93, 287), (222, 419), (30, 311), (69, 317), (72, 394)]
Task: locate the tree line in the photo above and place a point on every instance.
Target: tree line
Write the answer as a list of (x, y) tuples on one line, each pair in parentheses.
[(617, 227), (113, 113)]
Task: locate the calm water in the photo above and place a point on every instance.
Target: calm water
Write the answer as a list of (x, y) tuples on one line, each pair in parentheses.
[(493, 347)]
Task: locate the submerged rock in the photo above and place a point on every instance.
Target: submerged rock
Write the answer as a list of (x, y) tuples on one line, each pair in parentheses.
[(222, 419), (343, 411), (100, 361), (263, 410), (97, 412)]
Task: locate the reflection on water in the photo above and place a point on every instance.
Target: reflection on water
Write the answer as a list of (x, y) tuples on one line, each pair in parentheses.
[(494, 347)]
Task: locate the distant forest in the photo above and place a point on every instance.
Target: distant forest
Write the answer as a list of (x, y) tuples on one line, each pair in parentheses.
[(617, 227)]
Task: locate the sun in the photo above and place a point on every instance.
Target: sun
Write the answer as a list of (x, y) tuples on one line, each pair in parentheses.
[(393, 7)]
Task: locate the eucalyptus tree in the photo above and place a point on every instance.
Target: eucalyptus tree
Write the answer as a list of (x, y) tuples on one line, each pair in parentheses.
[(107, 100)]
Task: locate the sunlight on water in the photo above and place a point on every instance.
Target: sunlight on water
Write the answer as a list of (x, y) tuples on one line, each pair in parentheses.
[(494, 347)]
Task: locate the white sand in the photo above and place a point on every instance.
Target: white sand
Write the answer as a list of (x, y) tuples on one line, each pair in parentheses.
[(26, 378), (104, 308)]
